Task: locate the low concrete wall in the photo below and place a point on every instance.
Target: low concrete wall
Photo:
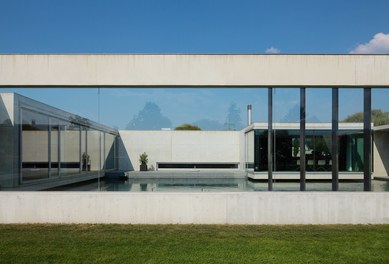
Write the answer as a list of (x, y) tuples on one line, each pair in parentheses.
[(194, 208)]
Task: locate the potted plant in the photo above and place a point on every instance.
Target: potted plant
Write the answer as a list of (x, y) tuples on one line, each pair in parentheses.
[(143, 159), (85, 162)]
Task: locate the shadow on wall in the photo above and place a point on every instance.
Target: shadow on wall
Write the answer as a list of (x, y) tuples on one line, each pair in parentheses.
[(381, 141), (6, 147), (124, 160), (4, 117)]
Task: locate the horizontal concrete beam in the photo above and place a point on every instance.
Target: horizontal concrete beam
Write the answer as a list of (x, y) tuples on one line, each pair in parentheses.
[(193, 70), (195, 208)]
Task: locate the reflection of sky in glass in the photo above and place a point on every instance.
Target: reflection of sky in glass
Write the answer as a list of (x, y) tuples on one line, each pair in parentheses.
[(286, 105), (187, 105), (380, 99), (350, 101), (318, 105)]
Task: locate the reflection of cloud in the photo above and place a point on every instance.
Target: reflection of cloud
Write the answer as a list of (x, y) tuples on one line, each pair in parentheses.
[(379, 44), (272, 50)]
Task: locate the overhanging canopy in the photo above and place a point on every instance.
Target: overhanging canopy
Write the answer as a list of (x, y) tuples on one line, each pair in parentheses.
[(178, 70)]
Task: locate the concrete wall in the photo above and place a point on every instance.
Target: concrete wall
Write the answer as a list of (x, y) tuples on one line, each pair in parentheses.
[(8, 141), (381, 153), (194, 70), (195, 208), (178, 146)]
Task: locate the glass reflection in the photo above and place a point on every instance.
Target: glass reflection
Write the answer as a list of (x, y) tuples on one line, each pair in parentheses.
[(109, 151), (35, 148), (380, 117), (350, 141), (54, 147), (351, 151), (286, 114), (93, 149), (250, 150), (70, 148), (260, 154)]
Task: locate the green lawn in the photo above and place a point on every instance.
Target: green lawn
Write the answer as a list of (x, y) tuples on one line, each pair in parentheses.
[(193, 244)]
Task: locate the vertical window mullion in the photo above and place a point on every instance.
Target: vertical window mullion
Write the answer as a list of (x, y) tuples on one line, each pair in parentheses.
[(270, 139), (302, 139), (335, 139), (367, 138)]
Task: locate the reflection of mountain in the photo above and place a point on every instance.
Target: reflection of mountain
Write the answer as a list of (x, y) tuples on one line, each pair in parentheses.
[(233, 120), (208, 124), (149, 118), (294, 116)]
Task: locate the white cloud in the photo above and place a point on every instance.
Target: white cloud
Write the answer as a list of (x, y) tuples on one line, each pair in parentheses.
[(272, 50), (378, 45)]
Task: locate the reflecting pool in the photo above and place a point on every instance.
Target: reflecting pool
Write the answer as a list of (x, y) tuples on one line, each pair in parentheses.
[(210, 185)]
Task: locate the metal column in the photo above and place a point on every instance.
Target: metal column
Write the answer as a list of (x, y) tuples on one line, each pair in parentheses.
[(335, 139), (367, 138), (302, 139), (270, 139)]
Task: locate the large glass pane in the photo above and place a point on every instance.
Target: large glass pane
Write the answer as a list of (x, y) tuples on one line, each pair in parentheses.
[(286, 118), (207, 108), (351, 139), (69, 148), (286, 151), (318, 139), (380, 106), (35, 146), (351, 151), (318, 152)]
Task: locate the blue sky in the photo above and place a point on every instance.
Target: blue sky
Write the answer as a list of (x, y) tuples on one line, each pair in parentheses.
[(181, 26)]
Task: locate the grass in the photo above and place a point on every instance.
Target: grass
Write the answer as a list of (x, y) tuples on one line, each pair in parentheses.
[(193, 244)]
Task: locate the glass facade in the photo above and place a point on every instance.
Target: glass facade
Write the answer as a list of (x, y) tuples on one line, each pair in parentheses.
[(51, 146), (41, 143), (316, 113), (317, 150)]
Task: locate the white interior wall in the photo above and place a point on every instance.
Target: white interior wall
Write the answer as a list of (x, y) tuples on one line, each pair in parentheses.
[(180, 146), (381, 153)]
